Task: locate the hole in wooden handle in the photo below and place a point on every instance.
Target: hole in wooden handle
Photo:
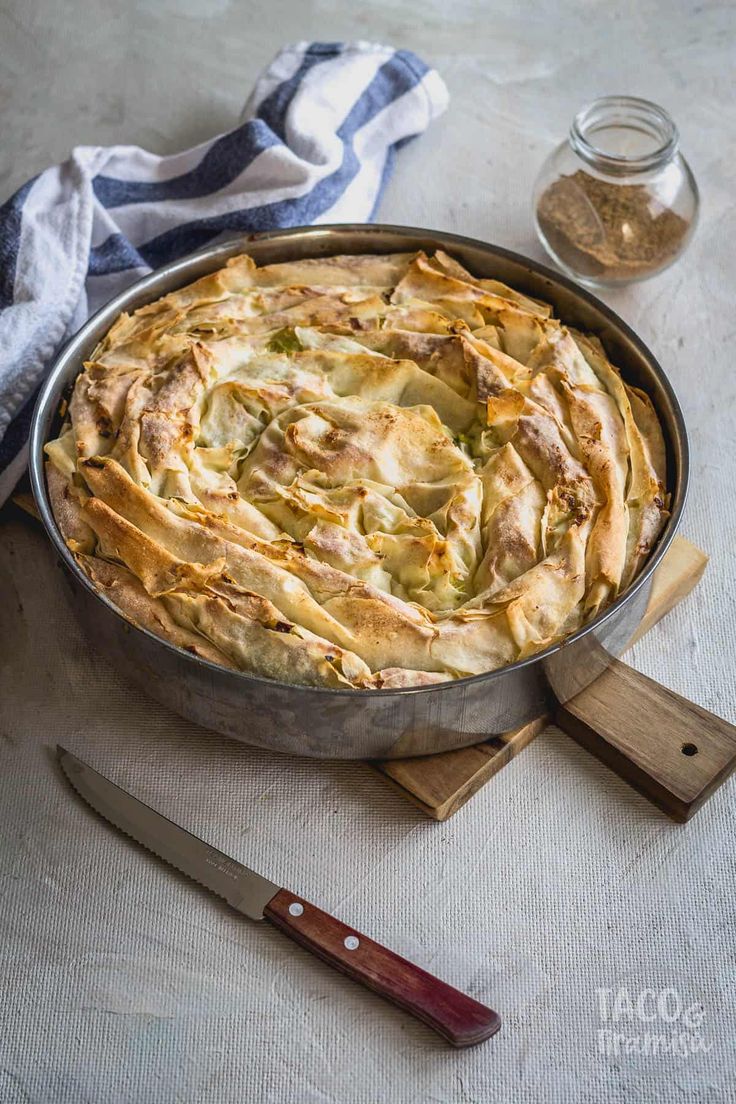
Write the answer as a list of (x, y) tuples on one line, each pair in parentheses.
[(645, 732)]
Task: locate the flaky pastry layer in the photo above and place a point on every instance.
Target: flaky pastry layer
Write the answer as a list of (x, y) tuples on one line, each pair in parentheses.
[(356, 471)]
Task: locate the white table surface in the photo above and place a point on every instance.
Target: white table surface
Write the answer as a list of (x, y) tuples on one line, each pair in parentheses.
[(125, 983)]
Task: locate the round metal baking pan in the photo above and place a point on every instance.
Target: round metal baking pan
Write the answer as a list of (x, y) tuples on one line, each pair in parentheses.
[(378, 723)]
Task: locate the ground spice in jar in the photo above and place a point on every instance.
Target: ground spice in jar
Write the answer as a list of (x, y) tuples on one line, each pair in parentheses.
[(608, 230)]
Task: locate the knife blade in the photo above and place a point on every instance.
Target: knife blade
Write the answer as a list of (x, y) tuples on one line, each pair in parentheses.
[(459, 1018)]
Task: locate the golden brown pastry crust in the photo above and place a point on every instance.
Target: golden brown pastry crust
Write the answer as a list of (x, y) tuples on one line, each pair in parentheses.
[(368, 472)]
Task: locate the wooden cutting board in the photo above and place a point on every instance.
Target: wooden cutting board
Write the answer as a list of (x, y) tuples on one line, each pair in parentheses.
[(441, 784)]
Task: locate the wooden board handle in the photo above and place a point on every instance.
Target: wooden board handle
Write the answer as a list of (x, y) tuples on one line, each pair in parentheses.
[(460, 1019), (668, 748)]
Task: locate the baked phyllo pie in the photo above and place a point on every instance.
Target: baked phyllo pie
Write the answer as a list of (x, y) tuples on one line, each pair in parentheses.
[(356, 471)]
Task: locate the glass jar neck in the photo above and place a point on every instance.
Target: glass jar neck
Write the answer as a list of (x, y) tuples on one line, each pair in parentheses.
[(623, 135)]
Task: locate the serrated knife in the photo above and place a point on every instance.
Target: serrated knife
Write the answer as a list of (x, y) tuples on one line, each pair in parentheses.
[(460, 1019)]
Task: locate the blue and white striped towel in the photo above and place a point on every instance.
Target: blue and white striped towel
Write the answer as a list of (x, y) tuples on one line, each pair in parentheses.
[(315, 144)]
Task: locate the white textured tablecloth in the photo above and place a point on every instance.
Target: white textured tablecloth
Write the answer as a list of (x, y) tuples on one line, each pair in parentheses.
[(123, 982)]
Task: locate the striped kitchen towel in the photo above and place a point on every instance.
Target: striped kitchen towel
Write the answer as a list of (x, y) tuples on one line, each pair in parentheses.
[(315, 144)]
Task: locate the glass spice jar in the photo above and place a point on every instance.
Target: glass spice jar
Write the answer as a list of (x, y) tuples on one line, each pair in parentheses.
[(617, 201)]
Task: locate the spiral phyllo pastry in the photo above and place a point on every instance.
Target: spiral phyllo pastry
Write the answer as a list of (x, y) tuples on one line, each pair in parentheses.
[(356, 471)]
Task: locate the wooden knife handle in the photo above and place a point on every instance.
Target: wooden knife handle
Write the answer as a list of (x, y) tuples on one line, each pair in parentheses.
[(460, 1019), (668, 748)]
